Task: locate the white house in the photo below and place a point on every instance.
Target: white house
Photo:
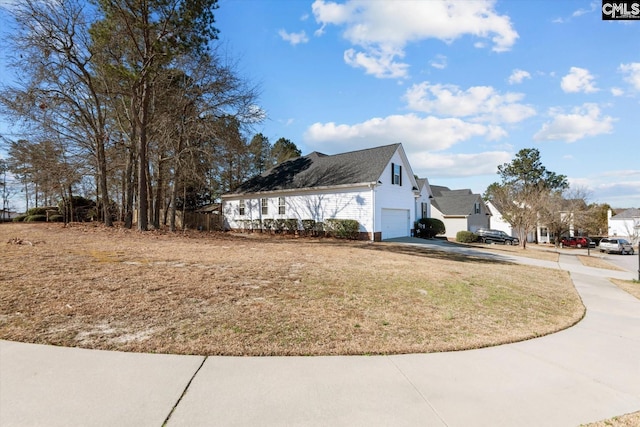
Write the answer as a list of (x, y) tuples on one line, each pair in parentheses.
[(625, 224), (375, 186), (459, 210), (497, 221)]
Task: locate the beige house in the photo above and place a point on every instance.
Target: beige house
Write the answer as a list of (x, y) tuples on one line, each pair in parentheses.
[(459, 210)]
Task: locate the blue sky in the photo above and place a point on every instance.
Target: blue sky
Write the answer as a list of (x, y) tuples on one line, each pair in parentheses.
[(463, 85)]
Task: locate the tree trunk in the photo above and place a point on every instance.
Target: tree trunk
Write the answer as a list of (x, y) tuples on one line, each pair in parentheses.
[(158, 194), (143, 162), (102, 180), (130, 184)]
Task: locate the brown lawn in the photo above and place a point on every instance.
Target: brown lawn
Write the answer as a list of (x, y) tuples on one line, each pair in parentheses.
[(226, 294), (629, 420)]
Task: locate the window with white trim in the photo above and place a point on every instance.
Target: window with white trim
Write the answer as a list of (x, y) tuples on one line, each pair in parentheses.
[(281, 205), (241, 207), (476, 208), (264, 204)]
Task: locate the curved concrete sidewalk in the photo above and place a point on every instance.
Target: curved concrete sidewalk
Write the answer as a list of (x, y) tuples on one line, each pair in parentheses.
[(586, 373)]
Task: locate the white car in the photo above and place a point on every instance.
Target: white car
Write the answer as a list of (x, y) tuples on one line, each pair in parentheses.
[(612, 244)]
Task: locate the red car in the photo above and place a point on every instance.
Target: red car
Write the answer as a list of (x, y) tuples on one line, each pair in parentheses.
[(576, 242)]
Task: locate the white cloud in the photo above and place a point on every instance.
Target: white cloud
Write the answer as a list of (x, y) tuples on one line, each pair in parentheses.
[(432, 165), (616, 91), (439, 62), (382, 29), (479, 103), (618, 191), (420, 133), (632, 73), (294, 38), (578, 80), (380, 64), (580, 123), (517, 76), (592, 8)]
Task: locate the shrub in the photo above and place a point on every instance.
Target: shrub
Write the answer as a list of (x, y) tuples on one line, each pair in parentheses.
[(267, 224), (308, 226), (343, 228), (256, 224), (36, 218), (20, 218), (428, 228), (39, 211), (55, 218), (291, 225), (278, 225), (466, 236)]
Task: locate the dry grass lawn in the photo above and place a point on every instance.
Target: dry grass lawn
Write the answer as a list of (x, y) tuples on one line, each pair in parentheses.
[(532, 251), (632, 287), (225, 294), (629, 420), (597, 262)]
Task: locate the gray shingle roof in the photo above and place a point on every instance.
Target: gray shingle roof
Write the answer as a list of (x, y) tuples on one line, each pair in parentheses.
[(627, 214), (453, 202), (321, 170), (437, 190)]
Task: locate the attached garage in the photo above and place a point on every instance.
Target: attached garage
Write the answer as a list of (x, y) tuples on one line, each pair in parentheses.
[(395, 223)]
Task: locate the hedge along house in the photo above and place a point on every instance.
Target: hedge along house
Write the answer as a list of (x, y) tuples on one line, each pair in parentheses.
[(375, 187)]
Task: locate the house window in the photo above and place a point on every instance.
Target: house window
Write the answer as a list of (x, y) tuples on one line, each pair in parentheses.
[(476, 208), (281, 205), (544, 231), (264, 204), (396, 174), (424, 210), (241, 207)]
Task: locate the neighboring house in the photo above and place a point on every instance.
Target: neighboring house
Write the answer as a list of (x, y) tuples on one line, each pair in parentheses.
[(7, 215), (541, 234), (497, 221), (459, 210), (423, 201), (625, 224), (375, 186)]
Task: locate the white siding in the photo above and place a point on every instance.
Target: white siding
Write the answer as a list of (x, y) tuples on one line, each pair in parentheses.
[(628, 228), (497, 222), (392, 196), (316, 205), (363, 203)]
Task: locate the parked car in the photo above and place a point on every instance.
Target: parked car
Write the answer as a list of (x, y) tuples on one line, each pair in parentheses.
[(613, 244), (577, 242), (496, 236)]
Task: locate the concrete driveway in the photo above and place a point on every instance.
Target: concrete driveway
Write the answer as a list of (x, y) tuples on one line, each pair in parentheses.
[(585, 373)]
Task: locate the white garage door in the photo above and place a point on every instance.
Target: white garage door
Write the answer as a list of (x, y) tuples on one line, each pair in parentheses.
[(395, 223)]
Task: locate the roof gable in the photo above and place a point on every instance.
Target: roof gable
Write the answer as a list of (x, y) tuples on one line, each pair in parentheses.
[(321, 170)]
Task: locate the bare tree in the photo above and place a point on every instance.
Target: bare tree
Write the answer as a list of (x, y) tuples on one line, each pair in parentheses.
[(564, 212), (524, 191), (143, 37), (59, 91)]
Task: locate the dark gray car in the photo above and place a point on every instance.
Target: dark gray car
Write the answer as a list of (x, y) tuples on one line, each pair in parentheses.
[(496, 236)]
